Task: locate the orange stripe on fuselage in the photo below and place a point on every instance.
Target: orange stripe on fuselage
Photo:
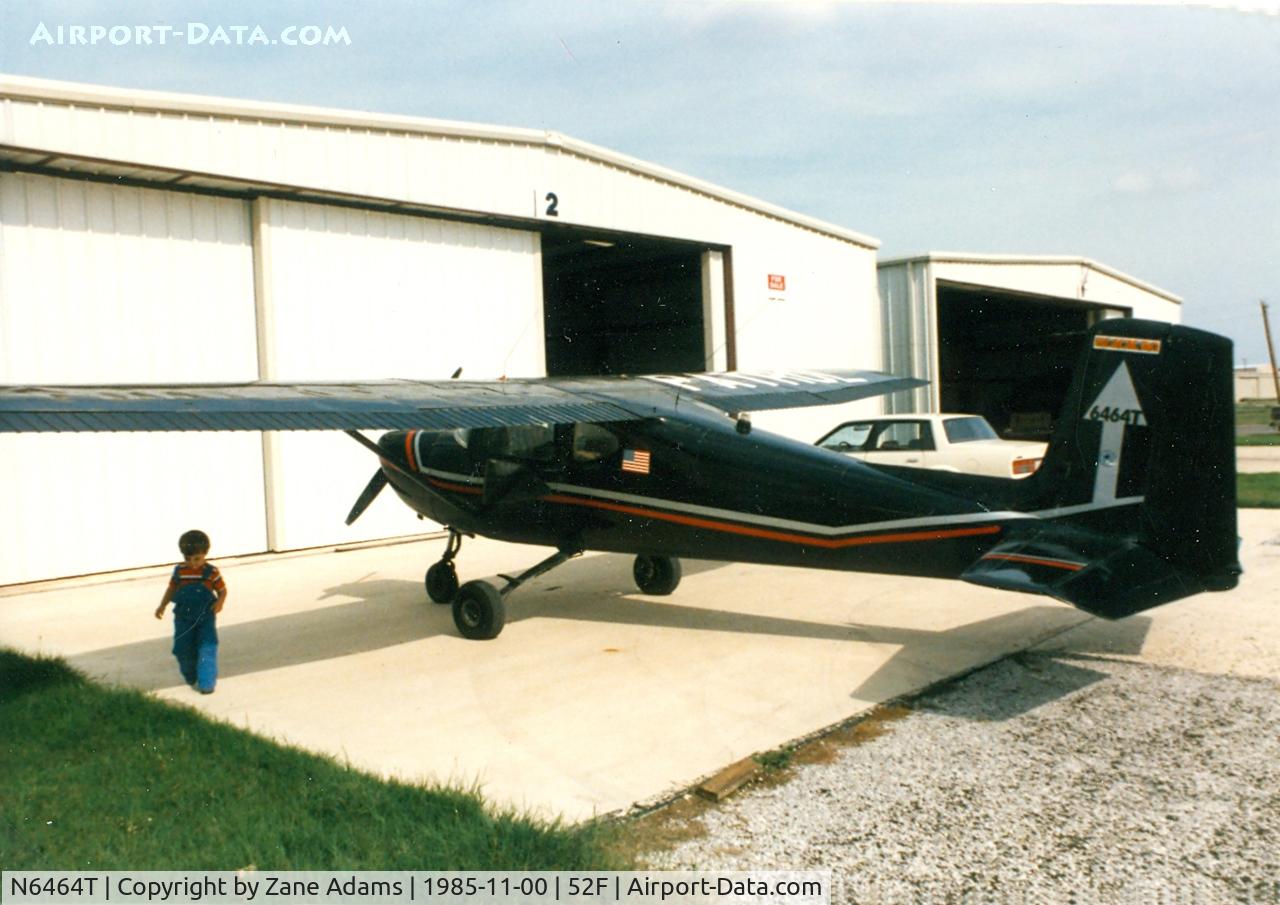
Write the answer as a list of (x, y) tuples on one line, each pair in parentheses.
[(408, 450), (746, 530), (784, 537), (1036, 561), (456, 488)]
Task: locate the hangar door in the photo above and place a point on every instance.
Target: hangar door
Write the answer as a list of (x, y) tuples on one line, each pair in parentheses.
[(1009, 356), (366, 295), (622, 304), (113, 284)]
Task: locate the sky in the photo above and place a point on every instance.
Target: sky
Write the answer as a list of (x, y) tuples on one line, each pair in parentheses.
[(1144, 137)]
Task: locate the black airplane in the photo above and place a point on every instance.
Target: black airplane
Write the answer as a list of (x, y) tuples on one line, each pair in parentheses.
[(1134, 505)]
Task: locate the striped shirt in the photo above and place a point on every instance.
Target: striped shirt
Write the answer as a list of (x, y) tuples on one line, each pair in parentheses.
[(185, 575)]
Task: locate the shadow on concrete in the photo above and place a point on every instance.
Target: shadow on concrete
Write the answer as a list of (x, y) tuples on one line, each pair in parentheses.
[(382, 613), (1125, 637), (278, 641), (385, 612), (1011, 688)]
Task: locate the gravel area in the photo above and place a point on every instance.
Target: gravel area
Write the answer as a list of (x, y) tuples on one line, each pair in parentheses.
[(1040, 778)]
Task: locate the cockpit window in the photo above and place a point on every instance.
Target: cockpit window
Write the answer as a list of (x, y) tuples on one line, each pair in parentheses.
[(530, 442), (591, 443)]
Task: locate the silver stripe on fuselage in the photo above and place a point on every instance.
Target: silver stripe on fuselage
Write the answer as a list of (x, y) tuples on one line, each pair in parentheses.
[(752, 518), (789, 524)]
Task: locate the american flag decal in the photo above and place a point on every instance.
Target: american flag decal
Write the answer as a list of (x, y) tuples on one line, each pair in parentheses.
[(635, 460)]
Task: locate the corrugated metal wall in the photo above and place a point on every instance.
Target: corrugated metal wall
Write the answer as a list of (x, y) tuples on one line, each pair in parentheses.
[(105, 284), (907, 304), (345, 293), (369, 296)]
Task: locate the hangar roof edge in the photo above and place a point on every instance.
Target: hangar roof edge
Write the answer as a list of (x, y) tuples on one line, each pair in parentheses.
[(955, 257), (79, 93)]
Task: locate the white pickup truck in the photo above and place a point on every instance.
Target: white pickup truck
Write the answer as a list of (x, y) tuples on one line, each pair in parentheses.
[(964, 443)]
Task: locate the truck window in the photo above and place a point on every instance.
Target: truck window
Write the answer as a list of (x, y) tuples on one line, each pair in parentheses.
[(965, 430), (847, 437), (896, 435)]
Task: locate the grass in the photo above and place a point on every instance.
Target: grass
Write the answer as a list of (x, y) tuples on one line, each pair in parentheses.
[(1253, 413), (777, 759), (93, 778), (1258, 491)]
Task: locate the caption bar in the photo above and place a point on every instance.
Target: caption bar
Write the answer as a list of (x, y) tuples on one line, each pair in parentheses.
[(427, 887)]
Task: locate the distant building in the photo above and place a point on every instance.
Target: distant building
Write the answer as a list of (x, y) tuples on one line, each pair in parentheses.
[(998, 335), (1255, 382)]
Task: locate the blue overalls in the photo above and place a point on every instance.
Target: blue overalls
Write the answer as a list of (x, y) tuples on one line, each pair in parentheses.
[(195, 633)]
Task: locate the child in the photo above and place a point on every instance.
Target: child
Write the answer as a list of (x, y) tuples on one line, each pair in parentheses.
[(198, 593)]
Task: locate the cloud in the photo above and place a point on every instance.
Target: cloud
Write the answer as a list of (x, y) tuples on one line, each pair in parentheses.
[(1174, 179)]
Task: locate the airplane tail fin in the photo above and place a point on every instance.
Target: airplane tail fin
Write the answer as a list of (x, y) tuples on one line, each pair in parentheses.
[(1137, 493)]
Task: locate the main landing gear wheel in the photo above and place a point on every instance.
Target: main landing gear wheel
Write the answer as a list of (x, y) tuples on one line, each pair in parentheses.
[(442, 582), (657, 575), (478, 611)]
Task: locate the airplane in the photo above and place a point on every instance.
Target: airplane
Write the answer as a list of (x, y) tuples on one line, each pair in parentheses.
[(1134, 505)]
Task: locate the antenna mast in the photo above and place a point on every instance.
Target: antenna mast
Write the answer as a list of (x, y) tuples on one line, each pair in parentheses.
[(1271, 349)]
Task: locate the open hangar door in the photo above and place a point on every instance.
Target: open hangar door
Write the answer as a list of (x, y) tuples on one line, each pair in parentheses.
[(623, 304), (1008, 356)]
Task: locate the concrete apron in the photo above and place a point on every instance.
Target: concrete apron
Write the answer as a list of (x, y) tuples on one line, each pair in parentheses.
[(1257, 459), (594, 698)]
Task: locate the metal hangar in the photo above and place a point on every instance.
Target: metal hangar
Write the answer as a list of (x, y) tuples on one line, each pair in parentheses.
[(149, 237), (997, 335)]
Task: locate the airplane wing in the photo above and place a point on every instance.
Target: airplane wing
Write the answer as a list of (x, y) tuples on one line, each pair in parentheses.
[(425, 405)]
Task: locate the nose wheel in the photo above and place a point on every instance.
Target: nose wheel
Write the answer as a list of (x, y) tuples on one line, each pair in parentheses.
[(442, 577), (442, 582)]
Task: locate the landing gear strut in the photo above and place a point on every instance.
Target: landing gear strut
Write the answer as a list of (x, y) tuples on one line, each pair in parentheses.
[(478, 609), (442, 577)]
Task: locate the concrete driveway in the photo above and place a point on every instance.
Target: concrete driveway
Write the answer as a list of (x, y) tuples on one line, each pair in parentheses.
[(1255, 459), (595, 697)]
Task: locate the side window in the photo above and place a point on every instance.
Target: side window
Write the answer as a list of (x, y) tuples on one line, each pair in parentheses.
[(592, 443), (904, 435), (529, 442), (847, 437), (964, 430)]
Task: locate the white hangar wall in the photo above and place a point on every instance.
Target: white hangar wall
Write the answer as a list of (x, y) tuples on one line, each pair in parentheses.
[(350, 257), (107, 284), (465, 167), (363, 295)]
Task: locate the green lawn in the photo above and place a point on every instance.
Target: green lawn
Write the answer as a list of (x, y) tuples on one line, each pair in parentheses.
[(1253, 412), (99, 778), (1258, 491)]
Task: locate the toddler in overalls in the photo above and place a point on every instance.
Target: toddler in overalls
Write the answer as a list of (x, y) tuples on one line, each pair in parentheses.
[(197, 592)]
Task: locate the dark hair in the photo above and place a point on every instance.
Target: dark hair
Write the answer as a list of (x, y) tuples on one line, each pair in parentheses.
[(193, 542)]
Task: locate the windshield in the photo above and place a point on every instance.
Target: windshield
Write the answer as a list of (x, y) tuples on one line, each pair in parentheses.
[(962, 430), (847, 437)]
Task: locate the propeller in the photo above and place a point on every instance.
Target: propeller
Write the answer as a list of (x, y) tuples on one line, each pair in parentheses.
[(371, 490)]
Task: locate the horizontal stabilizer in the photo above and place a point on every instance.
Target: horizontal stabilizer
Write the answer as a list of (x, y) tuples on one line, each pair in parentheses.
[(1105, 577)]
